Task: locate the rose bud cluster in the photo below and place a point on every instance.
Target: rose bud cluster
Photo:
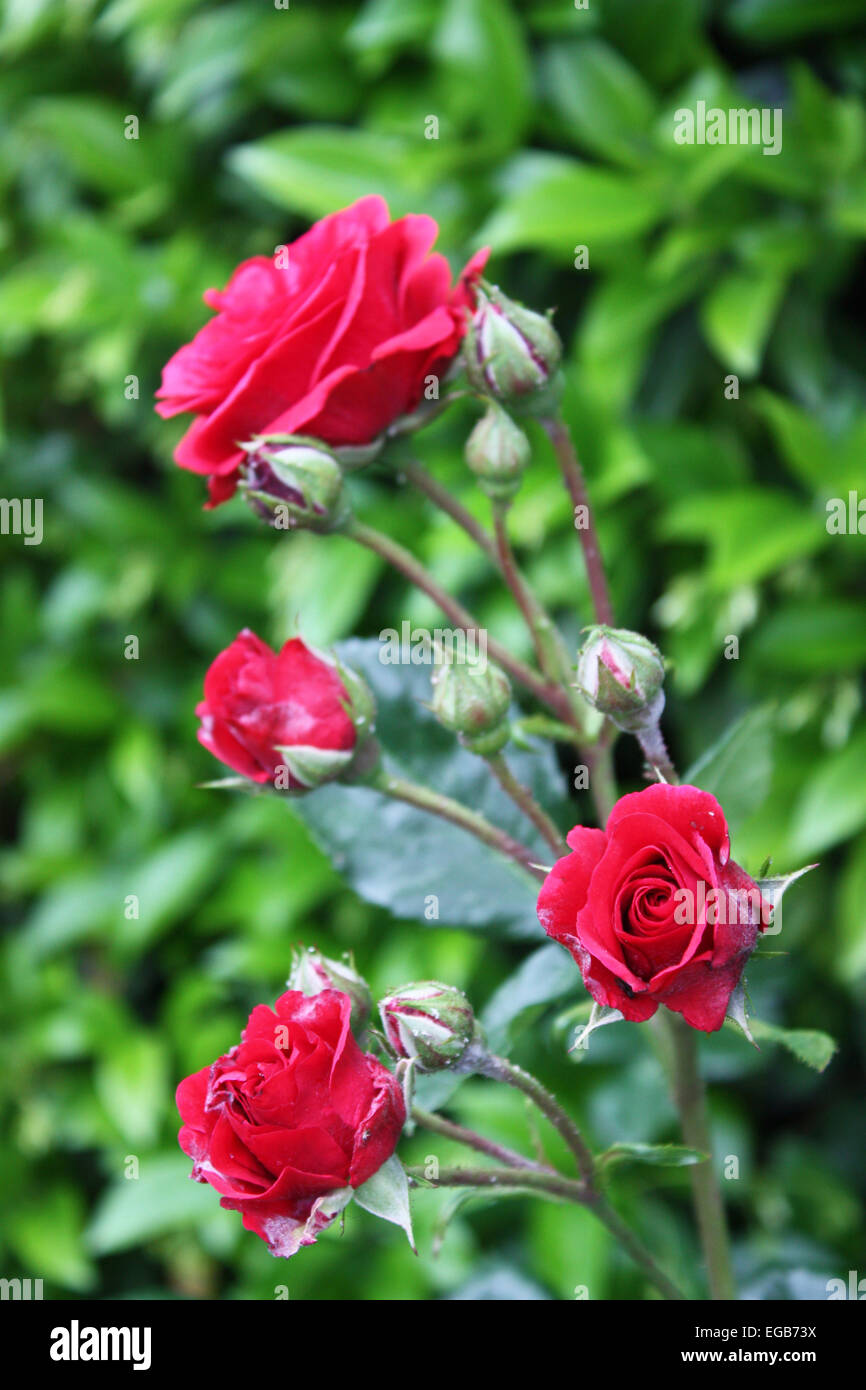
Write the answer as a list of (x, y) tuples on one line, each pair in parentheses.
[(293, 1120), (498, 453), (294, 483), (510, 352), (335, 337), (621, 674), (654, 910), (312, 972), (294, 718), (432, 1024), (473, 699)]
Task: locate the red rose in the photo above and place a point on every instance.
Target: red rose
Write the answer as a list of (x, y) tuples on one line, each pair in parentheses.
[(263, 711), (336, 344), (292, 1119), (653, 909)]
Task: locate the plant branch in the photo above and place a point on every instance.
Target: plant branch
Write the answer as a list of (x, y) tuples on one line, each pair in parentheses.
[(448, 503), (690, 1097), (501, 1069), (402, 560), (522, 797), (558, 433), (448, 1130), (564, 1189), (426, 799)]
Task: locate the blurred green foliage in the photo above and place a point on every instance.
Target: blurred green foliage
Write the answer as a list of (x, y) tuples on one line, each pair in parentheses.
[(554, 132)]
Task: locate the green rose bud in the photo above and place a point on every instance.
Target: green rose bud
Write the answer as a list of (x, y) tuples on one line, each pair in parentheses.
[(498, 452), (472, 699), (432, 1024), (621, 673), (510, 352), (312, 972), (294, 483)]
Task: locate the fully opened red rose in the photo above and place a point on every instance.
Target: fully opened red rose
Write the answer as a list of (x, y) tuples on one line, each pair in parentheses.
[(292, 1120), (653, 909), (332, 338), (264, 711)]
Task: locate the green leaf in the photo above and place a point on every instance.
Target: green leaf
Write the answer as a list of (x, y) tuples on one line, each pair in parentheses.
[(163, 1198), (481, 55), (318, 169), (548, 974), (656, 1155), (737, 316), (738, 769), (807, 1044), (416, 864), (776, 527), (832, 804), (812, 637), (47, 1237), (132, 1083), (850, 961), (386, 1194), (569, 204), (604, 103), (769, 21)]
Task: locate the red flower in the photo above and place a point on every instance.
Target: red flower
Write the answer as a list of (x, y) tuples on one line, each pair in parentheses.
[(653, 909), (263, 711), (335, 344), (292, 1119)]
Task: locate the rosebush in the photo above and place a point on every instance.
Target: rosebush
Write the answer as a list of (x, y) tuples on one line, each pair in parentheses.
[(153, 916)]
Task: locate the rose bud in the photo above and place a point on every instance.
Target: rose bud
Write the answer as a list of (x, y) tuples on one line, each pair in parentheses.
[(294, 483), (620, 673), (312, 972), (510, 352), (654, 910), (472, 700), (336, 336), (498, 451), (290, 1122), (294, 717), (430, 1023)]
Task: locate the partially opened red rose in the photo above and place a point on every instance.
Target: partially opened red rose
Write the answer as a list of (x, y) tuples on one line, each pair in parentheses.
[(653, 909), (264, 712), (332, 338), (287, 1124)]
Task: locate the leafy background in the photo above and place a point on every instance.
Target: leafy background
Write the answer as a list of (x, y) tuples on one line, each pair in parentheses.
[(554, 131)]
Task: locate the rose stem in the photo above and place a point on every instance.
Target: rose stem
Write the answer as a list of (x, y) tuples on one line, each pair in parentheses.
[(402, 560), (558, 433), (566, 1189), (426, 799), (655, 751), (439, 1125), (523, 798), (690, 1096), (544, 632), (552, 657), (500, 1069), (448, 503)]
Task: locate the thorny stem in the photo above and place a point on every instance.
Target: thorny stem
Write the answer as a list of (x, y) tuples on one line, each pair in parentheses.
[(402, 560), (426, 799), (690, 1096), (448, 503), (550, 649), (522, 797), (541, 628), (655, 751), (564, 1189), (448, 1130), (558, 433), (500, 1069)]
